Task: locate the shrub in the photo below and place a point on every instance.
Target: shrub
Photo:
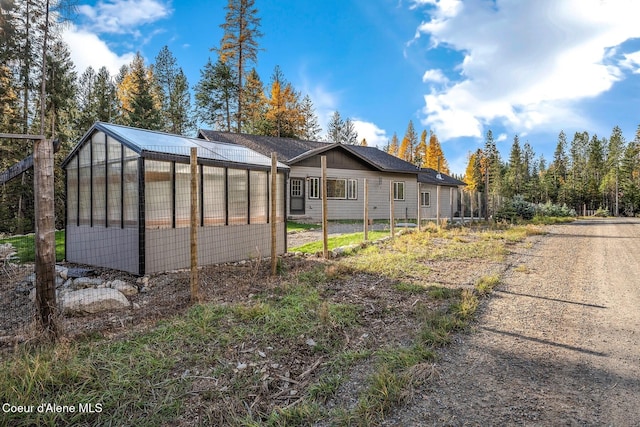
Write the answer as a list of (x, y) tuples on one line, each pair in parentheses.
[(553, 210), (602, 212), (516, 208)]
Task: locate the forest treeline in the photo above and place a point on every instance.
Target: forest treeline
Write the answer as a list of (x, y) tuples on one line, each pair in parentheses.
[(230, 95)]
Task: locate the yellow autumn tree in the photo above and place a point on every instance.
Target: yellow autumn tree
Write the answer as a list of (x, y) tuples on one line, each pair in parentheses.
[(283, 113), (363, 143), (435, 155), (393, 145), (420, 154), (472, 174), (409, 142)]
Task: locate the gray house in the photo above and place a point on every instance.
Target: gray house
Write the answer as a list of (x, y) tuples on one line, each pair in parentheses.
[(347, 168), (129, 206)]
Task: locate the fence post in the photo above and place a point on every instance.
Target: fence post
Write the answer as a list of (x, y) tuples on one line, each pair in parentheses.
[(193, 232), (366, 210), (438, 206), (274, 213), (419, 215), (45, 234), (391, 210), (325, 214)]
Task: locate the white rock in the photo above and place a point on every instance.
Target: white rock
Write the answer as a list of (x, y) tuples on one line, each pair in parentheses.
[(86, 301), (311, 343), (124, 287), (86, 282)]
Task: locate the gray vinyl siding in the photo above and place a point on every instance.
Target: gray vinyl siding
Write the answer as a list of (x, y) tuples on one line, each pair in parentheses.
[(115, 248), (444, 205), (169, 249), (344, 209)]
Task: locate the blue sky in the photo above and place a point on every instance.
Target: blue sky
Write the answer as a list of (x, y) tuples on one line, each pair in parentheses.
[(459, 68)]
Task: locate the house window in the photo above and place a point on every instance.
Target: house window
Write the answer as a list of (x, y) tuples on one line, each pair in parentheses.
[(425, 199), (398, 191), (336, 188), (296, 188), (352, 189), (314, 188)]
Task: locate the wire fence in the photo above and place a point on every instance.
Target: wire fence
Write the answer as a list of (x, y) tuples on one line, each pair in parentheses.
[(129, 245)]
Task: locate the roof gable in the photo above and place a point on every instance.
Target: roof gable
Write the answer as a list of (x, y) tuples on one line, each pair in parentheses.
[(147, 143), (285, 148)]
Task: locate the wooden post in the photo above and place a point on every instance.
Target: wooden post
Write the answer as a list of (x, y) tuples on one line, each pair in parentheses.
[(438, 206), (366, 210), (419, 216), (325, 231), (193, 232), (451, 204), (274, 214), (391, 210), (461, 193), (45, 234)]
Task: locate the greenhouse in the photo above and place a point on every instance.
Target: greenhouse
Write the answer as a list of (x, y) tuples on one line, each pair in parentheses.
[(129, 201)]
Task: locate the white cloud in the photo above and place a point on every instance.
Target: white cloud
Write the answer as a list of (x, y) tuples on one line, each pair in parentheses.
[(375, 136), (123, 16), (87, 49), (435, 76), (525, 63), (631, 61), (501, 137)]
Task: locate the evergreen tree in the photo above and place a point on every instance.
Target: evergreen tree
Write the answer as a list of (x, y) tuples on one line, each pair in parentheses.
[(215, 95), (611, 182), (630, 177), (335, 128), (513, 185), (349, 133), (594, 173), (311, 130), (173, 91), (138, 95), (239, 46), (254, 104)]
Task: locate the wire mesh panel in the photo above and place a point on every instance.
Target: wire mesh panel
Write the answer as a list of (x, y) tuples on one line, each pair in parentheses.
[(128, 222)]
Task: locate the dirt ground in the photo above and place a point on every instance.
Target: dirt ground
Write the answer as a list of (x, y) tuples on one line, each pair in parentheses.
[(557, 344)]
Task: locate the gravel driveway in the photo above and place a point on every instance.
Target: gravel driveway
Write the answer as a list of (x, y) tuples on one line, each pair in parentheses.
[(557, 344)]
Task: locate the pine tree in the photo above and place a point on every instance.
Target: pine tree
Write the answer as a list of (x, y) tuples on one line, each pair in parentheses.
[(335, 128), (215, 95), (254, 104), (514, 183), (311, 130), (173, 90), (349, 133), (140, 100), (611, 181), (239, 46)]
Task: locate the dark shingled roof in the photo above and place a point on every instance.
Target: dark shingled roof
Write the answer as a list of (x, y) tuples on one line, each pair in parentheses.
[(431, 176), (285, 148), (291, 151)]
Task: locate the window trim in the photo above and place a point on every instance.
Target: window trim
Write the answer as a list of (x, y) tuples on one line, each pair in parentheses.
[(314, 188), (396, 188), (422, 194), (352, 189)]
